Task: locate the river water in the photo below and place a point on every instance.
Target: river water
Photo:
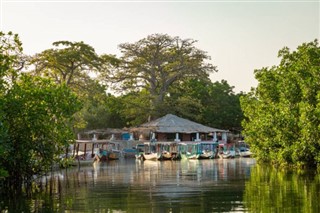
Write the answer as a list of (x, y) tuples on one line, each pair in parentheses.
[(129, 185)]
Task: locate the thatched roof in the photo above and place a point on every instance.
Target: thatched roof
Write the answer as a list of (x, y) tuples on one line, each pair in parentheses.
[(174, 124), (105, 131)]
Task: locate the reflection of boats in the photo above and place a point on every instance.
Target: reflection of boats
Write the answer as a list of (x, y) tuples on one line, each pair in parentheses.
[(150, 164), (149, 156)]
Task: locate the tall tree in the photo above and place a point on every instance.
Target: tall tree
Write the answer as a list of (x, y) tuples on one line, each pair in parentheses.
[(75, 64), (69, 63), (283, 112), (157, 62)]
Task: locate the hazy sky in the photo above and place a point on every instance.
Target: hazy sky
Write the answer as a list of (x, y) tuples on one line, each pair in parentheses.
[(240, 36)]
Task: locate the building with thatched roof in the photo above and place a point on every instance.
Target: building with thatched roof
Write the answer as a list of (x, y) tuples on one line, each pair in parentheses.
[(173, 128)]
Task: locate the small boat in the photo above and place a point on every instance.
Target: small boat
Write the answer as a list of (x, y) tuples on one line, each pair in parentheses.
[(227, 154), (165, 155), (244, 150), (205, 155), (114, 154), (245, 153), (191, 156), (188, 150), (139, 151), (149, 156), (129, 153)]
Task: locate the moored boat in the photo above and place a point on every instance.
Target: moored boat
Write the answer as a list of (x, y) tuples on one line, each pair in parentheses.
[(129, 153), (165, 155), (244, 149), (114, 155), (188, 150), (149, 156), (226, 151), (205, 154), (245, 153), (227, 154)]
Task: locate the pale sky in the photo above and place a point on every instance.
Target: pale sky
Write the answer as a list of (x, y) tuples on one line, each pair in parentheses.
[(240, 36)]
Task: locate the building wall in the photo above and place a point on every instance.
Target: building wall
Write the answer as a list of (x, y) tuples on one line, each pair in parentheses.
[(186, 137), (161, 137)]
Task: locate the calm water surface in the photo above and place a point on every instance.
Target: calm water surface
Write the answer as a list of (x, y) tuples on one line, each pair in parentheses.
[(230, 185)]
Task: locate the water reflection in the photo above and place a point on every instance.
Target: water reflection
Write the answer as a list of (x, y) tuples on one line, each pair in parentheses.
[(224, 185), (271, 190)]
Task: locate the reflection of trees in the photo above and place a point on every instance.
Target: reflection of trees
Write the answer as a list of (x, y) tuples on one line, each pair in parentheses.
[(168, 186), (272, 190)]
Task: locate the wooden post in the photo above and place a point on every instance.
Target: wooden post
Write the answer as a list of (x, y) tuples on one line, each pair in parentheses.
[(92, 150)]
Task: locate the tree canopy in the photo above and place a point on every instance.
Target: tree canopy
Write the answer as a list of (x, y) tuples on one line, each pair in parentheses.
[(282, 114), (68, 63), (157, 62), (76, 65)]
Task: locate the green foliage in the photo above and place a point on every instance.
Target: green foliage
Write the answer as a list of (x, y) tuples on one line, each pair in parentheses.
[(10, 52), (68, 63), (76, 64), (135, 107), (212, 104), (282, 114), (156, 63), (37, 117), (103, 112), (10, 55)]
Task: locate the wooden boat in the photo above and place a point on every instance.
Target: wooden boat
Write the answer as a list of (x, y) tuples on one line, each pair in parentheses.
[(188, 150), (207, 150), (114, 154), (191, 156), (205, 155), (244, 150), (165, 155), (149, 156), (139, 151), (227, 154), (245, 153), (129, 153)]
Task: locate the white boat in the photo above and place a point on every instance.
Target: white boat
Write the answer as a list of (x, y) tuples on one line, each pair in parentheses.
[(245, 153), (192, 156), (205, 155), (244, 150), (227, 154), (149, 156)]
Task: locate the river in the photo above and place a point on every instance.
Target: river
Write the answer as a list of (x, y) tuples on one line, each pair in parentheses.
[(129, 185)]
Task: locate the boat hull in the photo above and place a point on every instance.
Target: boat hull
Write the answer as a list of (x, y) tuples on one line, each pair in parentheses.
[(149, 156)]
